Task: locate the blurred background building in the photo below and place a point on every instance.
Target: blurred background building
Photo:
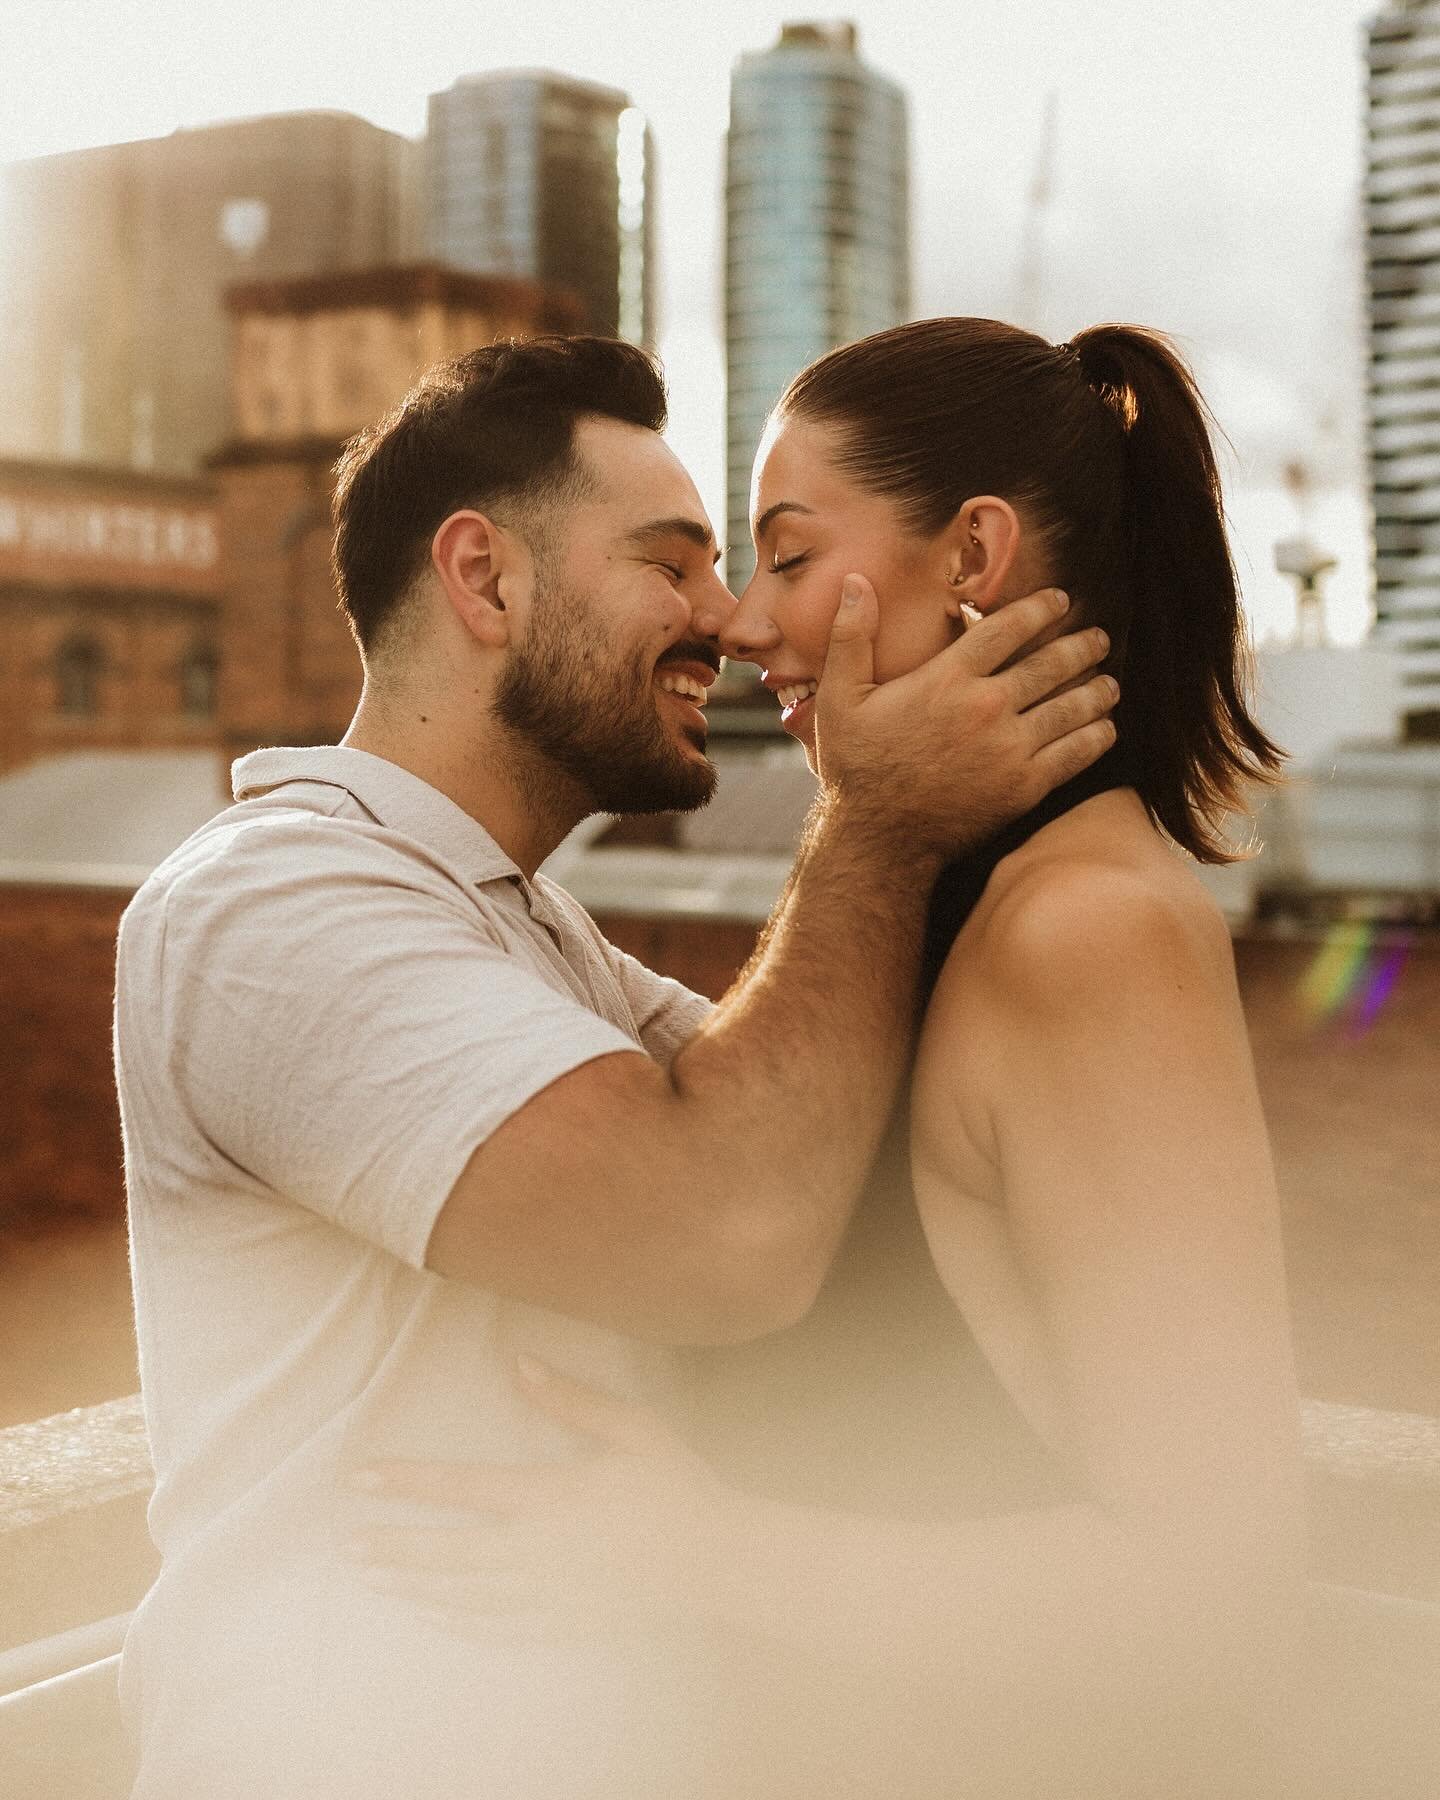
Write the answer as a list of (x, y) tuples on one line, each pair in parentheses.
[(817, 229), (1402, 203), (109, 602), (535, 174), (113, 334)]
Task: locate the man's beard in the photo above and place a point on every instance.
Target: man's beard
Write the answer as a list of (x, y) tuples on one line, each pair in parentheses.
[(595, 722)]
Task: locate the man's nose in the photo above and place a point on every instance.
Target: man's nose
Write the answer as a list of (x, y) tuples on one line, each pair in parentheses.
[(711, 612)]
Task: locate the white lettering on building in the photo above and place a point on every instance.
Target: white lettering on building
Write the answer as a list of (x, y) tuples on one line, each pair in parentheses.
[(158, 537)]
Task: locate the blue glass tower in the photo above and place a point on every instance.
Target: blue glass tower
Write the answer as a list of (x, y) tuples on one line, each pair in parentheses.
[(817, 244)]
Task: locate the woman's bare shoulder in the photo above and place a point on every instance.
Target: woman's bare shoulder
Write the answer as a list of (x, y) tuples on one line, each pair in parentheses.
[(1083, 920)]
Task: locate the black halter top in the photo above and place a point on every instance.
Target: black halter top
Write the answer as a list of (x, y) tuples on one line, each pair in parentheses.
[(880, 1401)]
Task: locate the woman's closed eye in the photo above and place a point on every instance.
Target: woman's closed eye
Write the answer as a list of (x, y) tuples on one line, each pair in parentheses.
[(779, 565)]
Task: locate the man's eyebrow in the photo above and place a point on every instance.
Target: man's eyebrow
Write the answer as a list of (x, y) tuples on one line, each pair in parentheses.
[(771, 513), (696, 531)]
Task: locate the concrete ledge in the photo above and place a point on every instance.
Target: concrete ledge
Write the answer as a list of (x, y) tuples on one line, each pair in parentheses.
[(76, 1459), (1374, 1492), (73, 1540), (1356, 1443), (74, 1490), (48, 1658)]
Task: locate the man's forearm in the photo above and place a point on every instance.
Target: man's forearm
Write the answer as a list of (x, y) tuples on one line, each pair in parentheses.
[(798, 1068)]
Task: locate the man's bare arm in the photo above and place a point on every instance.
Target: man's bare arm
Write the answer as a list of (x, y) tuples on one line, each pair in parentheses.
[(704, 1203)]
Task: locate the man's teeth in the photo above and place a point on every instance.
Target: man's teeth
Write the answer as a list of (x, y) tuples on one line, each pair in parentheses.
[(687, 685), (791, 696)]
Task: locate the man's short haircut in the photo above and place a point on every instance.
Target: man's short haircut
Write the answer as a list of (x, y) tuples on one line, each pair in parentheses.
[(492, 429)]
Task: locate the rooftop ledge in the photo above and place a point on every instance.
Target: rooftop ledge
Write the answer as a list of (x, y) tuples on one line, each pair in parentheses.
[(75, 1559), (94, 1454), (74, 1489)]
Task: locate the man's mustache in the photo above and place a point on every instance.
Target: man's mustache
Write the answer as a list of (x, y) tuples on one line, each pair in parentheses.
[(692, 650)]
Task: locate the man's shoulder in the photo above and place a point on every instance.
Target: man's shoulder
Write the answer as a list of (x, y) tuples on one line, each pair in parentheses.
[(258, 855)]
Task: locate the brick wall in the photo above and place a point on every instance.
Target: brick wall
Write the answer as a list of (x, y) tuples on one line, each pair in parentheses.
[(60, 1153), (289, 669)]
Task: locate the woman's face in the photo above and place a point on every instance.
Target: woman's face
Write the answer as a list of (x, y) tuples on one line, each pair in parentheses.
[(813, 526)]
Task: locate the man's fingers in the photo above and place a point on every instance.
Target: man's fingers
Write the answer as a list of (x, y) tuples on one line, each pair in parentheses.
[(1070, 711), (1003, 634), (616, 1422), (1064, 758), (850, 659), (1040, 673), (499, 1488)]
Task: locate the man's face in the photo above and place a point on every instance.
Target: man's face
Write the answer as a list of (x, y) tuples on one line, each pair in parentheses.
[(608, 681)]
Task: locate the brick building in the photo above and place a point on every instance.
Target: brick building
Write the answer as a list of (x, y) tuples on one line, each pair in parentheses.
[(144, 611), (109, 611)]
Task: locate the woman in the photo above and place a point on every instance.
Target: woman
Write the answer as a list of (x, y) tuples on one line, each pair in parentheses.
[(1035, 1447)]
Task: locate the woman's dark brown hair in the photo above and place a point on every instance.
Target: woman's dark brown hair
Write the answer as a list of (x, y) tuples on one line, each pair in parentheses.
[(1103, 446)]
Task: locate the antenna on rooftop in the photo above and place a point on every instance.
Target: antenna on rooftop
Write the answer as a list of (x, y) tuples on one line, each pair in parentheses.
[(1030, 267)]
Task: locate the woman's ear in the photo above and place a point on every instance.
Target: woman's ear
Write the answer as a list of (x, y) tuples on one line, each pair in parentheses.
[(981, 544), (469, 554)]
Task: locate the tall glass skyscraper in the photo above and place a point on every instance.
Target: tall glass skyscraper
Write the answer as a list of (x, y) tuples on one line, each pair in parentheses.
[(532, 173), (1403, 218), (817, 241)]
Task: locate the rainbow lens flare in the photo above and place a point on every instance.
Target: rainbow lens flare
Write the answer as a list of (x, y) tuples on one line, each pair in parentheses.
[(1352, 976)]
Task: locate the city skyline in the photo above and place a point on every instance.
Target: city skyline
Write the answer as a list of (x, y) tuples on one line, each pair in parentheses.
[(1204, 179)]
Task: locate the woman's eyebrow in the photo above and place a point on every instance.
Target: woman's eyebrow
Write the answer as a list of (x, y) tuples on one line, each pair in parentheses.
[(695, 531), (771, 513)]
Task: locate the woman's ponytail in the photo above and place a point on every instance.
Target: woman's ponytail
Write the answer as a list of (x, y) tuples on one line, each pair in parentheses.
[(1103, 447), (1181, 646)]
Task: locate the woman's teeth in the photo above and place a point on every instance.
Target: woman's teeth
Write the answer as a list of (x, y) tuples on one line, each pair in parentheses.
[(792, 696), (685, 685)]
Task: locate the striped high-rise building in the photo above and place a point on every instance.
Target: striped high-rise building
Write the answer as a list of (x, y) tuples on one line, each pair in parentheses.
[(537, 174), (1403, 218), (817, 241)]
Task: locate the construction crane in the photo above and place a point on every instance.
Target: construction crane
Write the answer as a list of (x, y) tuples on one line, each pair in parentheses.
[(1030, 285)]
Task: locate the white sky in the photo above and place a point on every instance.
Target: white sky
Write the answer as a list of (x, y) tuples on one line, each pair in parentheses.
[(1205, 180)]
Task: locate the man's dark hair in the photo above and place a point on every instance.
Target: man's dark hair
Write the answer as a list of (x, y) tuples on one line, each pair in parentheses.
[(494, 428)]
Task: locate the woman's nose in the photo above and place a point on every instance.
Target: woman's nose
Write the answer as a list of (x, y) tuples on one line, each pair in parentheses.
[(750, 631)]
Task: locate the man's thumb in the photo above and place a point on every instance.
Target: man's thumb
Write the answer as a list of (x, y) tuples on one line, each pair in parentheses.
[(851, 655)]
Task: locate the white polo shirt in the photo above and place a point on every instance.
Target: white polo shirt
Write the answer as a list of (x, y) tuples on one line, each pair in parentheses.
[(326, 999)]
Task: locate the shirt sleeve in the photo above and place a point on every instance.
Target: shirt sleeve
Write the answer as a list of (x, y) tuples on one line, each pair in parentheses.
[(667, 1014), (345, 1028)]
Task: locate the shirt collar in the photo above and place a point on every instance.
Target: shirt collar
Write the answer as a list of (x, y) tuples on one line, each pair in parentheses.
[(394, 796)]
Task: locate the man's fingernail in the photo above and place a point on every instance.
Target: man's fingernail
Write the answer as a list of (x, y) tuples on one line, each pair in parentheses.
[(1112, 687), (1102, 639), (850, 591), (1062, 599)]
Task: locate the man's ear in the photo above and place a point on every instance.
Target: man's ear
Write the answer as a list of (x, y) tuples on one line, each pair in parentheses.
[(981, 544), (470, 555)]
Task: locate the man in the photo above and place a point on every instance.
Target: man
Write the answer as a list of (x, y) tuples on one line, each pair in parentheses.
[(395, 1111)]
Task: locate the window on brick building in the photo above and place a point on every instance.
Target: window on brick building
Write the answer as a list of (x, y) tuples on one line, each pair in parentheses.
[(79, 664), (199, 677)]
